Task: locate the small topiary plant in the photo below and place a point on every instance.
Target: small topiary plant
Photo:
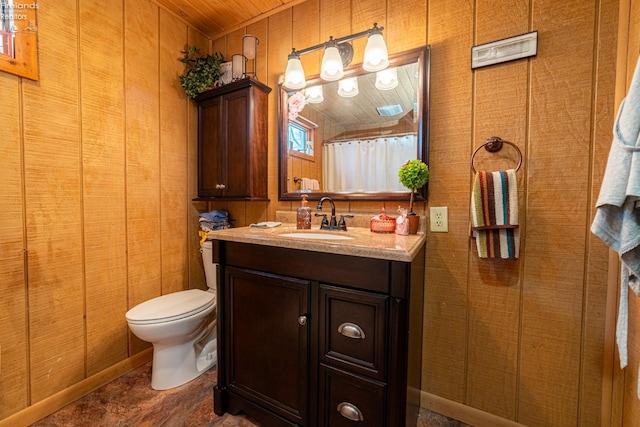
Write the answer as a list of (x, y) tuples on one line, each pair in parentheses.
[(413, 175), (202, 71)]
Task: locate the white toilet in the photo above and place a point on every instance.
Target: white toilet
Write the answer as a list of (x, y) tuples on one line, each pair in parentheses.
[(182, 328)]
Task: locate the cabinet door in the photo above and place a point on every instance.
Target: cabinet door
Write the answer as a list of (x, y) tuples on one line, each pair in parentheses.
[(237, 118), (268, 341), (211, 151)]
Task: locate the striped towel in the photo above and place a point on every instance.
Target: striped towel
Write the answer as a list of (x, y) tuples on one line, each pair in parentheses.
[(494, 214)]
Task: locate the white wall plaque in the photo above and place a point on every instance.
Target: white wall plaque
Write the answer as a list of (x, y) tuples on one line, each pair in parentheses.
[(504, 50)]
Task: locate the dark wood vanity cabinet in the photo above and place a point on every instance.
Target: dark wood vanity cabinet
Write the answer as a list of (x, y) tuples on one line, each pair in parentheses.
[(318, 339), (232, 141)]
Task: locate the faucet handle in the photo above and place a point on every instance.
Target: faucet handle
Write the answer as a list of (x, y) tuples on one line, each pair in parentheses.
[(325, 223), (342, 224)]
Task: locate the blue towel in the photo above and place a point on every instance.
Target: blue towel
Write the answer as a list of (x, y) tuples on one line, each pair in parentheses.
[(617, 219), (215, 215)]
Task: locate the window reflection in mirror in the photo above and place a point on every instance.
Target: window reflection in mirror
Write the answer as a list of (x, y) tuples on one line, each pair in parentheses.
[(302, 137), (359, 141)]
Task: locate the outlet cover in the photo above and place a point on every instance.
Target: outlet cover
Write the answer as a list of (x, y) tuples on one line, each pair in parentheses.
[(439, 219)]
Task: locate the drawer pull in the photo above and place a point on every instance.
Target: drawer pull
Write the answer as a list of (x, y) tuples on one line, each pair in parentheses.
[(351, 330), (302, 320), (350, 411)]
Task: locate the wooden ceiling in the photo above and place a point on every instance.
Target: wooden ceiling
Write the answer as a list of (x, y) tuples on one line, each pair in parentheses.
[(216, 18)]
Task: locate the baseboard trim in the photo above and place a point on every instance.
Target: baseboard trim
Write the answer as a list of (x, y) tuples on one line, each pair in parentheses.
[(48, 406), (464, 413)]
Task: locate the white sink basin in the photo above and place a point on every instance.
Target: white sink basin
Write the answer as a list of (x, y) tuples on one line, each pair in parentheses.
[(317, 236)]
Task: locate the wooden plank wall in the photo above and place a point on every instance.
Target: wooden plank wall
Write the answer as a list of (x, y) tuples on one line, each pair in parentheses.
[(515, 340), (93, 165), (97, 165)]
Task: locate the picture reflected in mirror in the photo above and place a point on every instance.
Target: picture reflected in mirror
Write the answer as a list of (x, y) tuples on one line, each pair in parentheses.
[(348, 138)]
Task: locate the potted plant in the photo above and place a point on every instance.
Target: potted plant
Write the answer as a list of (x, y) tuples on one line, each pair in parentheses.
[(202, 71), (413, 175)]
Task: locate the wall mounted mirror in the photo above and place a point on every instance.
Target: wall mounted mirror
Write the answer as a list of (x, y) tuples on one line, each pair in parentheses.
[(18, 38), (354, 145)]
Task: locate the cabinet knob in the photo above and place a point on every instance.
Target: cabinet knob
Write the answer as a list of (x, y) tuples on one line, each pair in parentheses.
[(220, 186), (351, 330), (302, 320), (350, 411)]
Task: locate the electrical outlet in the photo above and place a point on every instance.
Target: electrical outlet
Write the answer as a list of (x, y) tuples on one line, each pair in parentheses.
[(439, 219)]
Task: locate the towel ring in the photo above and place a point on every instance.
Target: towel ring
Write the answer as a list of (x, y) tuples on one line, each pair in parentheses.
[(494, 144)]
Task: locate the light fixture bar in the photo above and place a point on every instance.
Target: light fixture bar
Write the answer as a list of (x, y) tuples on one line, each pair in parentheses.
[(338, 40), (338, 50)]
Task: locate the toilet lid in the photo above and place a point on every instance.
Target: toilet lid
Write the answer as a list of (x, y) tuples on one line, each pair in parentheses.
[(174, 306)]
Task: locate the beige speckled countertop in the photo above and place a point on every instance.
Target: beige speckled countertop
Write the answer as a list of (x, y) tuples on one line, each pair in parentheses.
[(363, 242)]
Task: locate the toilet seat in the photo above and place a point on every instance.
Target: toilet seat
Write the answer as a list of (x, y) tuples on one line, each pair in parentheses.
[(171, 307)]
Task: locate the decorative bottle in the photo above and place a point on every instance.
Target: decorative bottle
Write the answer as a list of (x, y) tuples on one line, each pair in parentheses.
[(304, 215)]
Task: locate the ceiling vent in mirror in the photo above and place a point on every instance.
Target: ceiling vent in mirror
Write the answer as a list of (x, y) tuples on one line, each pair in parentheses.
[(389, 110)]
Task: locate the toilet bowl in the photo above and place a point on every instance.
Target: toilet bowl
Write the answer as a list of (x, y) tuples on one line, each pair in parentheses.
[(182, 328)]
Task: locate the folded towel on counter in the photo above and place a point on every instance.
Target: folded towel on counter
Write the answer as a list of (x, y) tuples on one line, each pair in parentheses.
[(315, 185), (266, 224), (494, 214), (617, 219)]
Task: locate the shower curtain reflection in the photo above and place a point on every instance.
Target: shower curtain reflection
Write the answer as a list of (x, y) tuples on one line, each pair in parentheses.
[(366, 164)]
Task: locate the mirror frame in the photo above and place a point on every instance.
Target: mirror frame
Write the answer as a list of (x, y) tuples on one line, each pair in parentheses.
[(25, 63), (420, 55)]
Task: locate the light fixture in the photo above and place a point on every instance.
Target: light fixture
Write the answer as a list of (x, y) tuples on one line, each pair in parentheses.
[(376, 57), (294, 74), (331, 68), (237, 67), (249, 51), (387, 79), (348, 87), (314, 94), (338, 54)]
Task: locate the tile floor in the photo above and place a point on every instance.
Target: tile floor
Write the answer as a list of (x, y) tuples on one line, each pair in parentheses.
[(130, 401)]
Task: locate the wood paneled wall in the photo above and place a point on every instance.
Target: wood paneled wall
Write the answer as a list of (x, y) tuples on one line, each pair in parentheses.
[(514, 341), (97, 170)]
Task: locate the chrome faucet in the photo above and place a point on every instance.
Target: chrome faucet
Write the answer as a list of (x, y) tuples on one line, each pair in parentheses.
[(332, 223)]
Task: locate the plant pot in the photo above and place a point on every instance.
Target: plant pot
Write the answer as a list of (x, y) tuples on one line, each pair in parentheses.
[(414, 223)]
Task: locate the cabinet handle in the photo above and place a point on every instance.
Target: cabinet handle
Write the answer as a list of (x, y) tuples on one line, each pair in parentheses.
[(302, 320), (220, 186), (350, 411), (351, 330)]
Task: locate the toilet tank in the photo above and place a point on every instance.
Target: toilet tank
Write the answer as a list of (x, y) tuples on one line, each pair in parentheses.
[(210, 269)]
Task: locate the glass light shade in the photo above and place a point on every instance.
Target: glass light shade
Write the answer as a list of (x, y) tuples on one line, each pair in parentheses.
[(294, 74), (314, 94), (237, 66), (348, 87), (376, 57), (249, 46), (387, 79), (331, 69)]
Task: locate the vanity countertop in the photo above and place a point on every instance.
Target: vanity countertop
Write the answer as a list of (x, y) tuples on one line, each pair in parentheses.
[(363, 242)]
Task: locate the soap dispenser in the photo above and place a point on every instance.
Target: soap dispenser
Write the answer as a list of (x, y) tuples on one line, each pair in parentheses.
[(304, 215)]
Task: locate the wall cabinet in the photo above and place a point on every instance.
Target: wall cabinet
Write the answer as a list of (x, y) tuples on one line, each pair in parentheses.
[(232, 141), (318, 339)]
